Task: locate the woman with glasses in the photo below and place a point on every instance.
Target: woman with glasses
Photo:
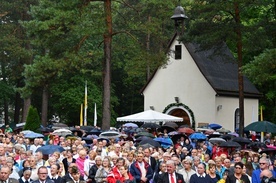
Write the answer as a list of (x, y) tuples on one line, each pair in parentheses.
[(238, 176), (102, 172)]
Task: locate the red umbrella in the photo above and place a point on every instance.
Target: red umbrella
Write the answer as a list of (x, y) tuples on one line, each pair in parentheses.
[(185, 130)]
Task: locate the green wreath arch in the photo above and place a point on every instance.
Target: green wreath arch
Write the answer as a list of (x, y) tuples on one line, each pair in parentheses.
[(185, 107)]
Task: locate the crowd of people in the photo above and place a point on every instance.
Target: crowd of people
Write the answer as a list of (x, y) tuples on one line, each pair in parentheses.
[(122, 161)]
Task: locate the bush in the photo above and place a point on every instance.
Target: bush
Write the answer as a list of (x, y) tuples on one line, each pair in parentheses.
[(32, 122)]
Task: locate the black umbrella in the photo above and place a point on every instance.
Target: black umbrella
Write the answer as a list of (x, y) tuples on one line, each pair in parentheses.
[(94, 131), (147, 134), (241, 140), (268, 150), (176, 137), (168, 128), (227, 136), (257, 145), (139, 139), (151, 142), (150, 125), (171, 124), (87, 128), (229, 144), (214, 135)]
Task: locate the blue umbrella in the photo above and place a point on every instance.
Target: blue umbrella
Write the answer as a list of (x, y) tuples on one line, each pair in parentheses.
[(33, 135), (198, 136), (214, 126), (50, 149), (164, 141)]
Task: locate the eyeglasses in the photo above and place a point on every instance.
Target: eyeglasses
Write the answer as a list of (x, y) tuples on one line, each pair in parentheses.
[(43, 173), (238, 167), (262, 163)]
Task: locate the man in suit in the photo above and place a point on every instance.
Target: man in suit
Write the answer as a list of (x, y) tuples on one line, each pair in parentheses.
[(26, 178), (54, 173), (171, 176), (76, 176), (5, 172), (42, 173), (68, 176), (152, 160)]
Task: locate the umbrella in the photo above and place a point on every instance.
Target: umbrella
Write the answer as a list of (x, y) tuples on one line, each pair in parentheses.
[(147, 145), (241, 140), (147, 134), (50, 149), (215, 134), (227, 136), (94, 131), (229, 144), (87, 140), (26, 132), (139, 139), (170, 124), (177, 136), (62, 132), (223, 130), (268, 150), (185, 130), (150, 125), (77, 132), (110, 134), (87, 128), (261, 126), (151, 142), (216, 140), (167, 128), (234, 134), (59, 125), (132, 125), (256, 145), (214, 126), (164, 141), (149, 116), (173, 133), (33, 135), (198, 136)]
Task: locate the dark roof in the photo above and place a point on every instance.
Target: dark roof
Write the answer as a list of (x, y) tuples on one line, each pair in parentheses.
[(220, 69)]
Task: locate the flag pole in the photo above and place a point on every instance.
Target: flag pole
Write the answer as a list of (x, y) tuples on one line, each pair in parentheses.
[(81, 116), (95, 115), (85, 105), (262, 133)]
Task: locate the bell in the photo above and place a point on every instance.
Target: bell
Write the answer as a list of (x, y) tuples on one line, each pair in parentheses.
[(179, 14)]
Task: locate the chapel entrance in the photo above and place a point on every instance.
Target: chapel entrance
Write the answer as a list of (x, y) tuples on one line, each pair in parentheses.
[(182, 114)]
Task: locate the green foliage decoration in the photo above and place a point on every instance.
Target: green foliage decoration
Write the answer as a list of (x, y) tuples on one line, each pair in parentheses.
[(185, 107)]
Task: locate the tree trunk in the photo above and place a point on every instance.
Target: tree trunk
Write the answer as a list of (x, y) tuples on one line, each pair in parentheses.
[(106, 66), (240, 75), (44, 110), (27, 104), (17, 107)]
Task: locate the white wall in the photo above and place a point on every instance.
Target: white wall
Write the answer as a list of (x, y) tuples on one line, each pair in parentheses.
[(226, 115), (183, 79)]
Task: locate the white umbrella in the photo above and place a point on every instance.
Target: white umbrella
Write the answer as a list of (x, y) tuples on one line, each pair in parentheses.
[(62, 132), (150, 116)]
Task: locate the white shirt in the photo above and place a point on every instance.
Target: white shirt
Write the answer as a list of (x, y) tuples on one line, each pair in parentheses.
[(174, 178)]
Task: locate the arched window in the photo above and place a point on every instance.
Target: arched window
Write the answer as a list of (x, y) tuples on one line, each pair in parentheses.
[(237, 119)]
